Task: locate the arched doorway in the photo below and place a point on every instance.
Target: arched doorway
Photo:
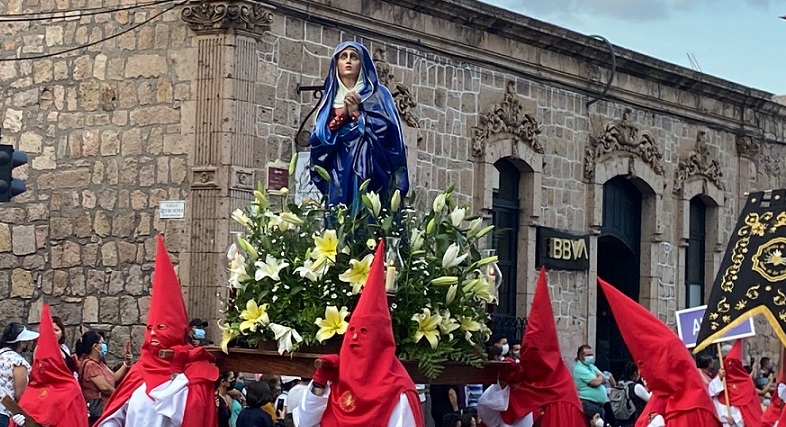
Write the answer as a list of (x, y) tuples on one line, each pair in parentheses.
[(619, 247)]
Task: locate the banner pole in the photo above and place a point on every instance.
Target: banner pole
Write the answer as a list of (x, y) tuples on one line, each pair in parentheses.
[(725, 389)]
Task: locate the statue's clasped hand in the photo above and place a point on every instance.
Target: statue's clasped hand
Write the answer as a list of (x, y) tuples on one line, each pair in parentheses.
[(351, 103)]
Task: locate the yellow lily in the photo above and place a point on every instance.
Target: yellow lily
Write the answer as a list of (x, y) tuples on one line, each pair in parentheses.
[(270, 267), (326, 246), (451, 257), (333, 323), (254, 316), (479, 288), (448, 324), (357, 273), (227, 335), (468, 326), (291, 218), (427, 327), (241, 217)]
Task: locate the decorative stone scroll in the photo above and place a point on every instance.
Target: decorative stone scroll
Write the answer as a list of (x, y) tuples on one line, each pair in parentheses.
[(748, 146), (698, 162), (241, 15), (403, 98), (507, 117), (623, 136)]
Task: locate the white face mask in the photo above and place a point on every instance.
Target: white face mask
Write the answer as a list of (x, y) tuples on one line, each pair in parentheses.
[(505, 349), (599, 423)]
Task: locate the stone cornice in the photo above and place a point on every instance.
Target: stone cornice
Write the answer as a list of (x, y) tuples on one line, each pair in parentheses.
[(210, 16), (495, 38)]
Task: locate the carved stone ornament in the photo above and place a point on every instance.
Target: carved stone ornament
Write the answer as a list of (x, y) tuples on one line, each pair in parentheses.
[(698, 162), (243, 178), (748, 146), (204, 177), (625, 137), (403, 98), (221, 15), (507, 117)]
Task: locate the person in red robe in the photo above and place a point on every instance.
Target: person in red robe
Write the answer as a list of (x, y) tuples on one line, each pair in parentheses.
[(173, 383), (742, 392), (678, 393), (365, 384), (53, 397), (538, 389)]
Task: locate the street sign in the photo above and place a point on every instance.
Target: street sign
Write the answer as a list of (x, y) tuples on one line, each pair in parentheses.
[(689, 324), (172, 209)]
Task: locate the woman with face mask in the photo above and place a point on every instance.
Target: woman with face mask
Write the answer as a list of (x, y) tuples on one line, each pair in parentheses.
[(95, 378), (14, 369)]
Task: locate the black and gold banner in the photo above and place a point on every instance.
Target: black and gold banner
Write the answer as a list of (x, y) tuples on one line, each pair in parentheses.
[(752, 276)]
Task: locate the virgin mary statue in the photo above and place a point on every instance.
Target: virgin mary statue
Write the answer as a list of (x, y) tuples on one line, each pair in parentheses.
[(357, 132)]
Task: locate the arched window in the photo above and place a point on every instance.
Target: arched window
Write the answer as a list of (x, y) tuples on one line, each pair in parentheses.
[(505, 214), (695, 255)]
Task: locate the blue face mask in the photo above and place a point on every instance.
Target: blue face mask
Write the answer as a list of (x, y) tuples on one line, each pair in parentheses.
[(199, 334), (589, 360), (104, 349)]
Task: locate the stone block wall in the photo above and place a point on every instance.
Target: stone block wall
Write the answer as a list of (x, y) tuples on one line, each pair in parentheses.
[(102, 128)]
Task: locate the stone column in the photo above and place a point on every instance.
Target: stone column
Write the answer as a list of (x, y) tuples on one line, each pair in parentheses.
[(222, 174)]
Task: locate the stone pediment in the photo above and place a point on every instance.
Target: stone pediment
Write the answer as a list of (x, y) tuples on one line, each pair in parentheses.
[(699, 162), (507, 118), (402, 96), (622, 137)]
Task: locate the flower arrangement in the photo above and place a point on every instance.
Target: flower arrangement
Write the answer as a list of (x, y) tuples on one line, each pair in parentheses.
[(298, 269)]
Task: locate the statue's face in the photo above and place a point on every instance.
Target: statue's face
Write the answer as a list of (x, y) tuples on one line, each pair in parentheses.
[(348, 63)]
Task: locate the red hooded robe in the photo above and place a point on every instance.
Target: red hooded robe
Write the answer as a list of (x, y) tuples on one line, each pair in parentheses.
[(543, 386), (742, 391), (53, 397), (371, 378), (678, 392), (775, 411), (167, 327)]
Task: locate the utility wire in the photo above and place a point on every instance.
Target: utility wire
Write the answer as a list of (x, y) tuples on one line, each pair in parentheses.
[(67, 14), (73, 49)]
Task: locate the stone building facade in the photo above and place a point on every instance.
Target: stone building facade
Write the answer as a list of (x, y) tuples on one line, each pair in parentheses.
[(194, 104)]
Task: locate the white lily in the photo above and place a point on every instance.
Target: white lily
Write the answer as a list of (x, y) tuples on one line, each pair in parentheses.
[(285, 336), (416, 237), (237, 269), (232, 251), (451, 257), (241, 217), (451, 294), (276, 221), (474, 227), (374, 202), (311, 272), (270, 267), (439, 203), (457, 216), (395, 201)]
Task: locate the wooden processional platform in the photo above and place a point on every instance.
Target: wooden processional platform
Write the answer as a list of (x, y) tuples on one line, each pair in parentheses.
[(302, 365)]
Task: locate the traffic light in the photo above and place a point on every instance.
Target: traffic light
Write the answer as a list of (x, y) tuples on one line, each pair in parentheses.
[(9, 159)]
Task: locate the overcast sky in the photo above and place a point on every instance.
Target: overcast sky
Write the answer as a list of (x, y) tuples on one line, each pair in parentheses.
[(739, 40)]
